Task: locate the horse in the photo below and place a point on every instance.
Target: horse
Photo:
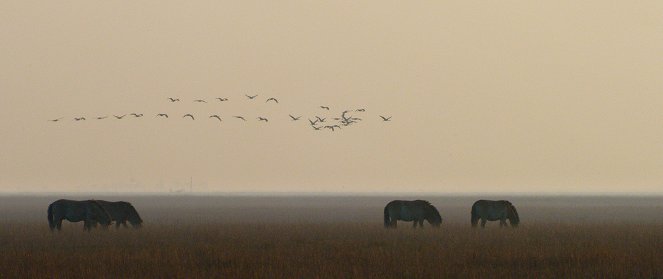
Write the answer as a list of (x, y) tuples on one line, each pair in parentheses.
[(494, 210), (416, 211), (90, 212), (121, 212)]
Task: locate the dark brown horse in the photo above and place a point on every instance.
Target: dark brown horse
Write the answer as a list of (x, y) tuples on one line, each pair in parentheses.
[(416, 211), (121, 212), (90, 212), (492, 211)]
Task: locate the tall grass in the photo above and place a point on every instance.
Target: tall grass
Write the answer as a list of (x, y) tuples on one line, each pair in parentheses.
[(334, 250)]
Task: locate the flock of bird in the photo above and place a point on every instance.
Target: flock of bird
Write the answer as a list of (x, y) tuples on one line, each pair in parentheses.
[(317, 123)]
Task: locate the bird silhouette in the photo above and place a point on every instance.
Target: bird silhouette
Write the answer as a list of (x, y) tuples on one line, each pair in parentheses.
[(332, 127), (163, 115), (222, 99), (272, 99), (316, 128), (294, 118), (251, 97), (55, 120), (101, 117), (199, 101), (386, 118), (324, 107), (320, 119), (172, 100), (79, 118), (137, 115), (361, 109), (189, 115), (312, 122), (263, 119), (215, 116), (240, 117), (119, 117)]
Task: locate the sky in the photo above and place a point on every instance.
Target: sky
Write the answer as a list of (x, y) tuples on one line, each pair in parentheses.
[(485, 96)]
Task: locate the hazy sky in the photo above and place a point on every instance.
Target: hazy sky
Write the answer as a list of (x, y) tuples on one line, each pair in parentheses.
[(485, 95)]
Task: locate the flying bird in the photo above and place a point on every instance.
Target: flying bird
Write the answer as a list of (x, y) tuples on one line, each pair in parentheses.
[(386, 118), (222, 99), (320, 119), (316, 128), (240, 117), (251, 97), (294, 118), (189, 115), (332, 127), (199, 101), (361, 109), (215, 116), (324, 107), (272, 99), (101, 117), (163, 114), (312, 122), (79, 118), (137, 115), (263, 119), (172, 100), (55, 120), (119, 117)]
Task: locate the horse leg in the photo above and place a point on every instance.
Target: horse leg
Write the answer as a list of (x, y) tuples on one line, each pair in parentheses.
[(124, 223), (483, 222), (58, 224), (421, 223), (502, 223), (117, 224)]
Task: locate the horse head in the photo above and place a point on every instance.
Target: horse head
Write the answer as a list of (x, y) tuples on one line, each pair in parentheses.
[(512, 215), (433, 216), (134, 218)]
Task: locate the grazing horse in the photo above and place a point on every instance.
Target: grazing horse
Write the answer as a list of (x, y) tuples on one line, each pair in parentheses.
[(90, 212), (494, 210), (416, 211), (121, 212)]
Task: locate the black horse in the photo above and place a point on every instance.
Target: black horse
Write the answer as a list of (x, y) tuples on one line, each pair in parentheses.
[(90, 212), (416, 211), (494, 210), (121, 212)]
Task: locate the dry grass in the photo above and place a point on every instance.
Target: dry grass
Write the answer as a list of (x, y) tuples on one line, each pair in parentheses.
[(334, 250)]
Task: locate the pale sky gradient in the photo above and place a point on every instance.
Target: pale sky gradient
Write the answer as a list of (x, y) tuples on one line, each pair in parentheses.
[(513, 96)]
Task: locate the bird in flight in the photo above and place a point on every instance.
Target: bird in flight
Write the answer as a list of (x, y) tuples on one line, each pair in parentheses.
[(119, 117), (101, 117), (189, 115), (324, 107), (332, 127), (215, 116), (222, 99), (320, 119), (163, 115), (263, 119), (251, 97), (361, 109), (294, 118), (55, 120), (272, 99), (316, 128), (199, 101), (312, 122), (240, 117), (137, 115), (172, 100), (385, 118), (79, 118)]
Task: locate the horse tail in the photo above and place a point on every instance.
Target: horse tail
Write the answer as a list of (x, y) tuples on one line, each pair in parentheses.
[(387, 221), (51, 222), (474, 216)]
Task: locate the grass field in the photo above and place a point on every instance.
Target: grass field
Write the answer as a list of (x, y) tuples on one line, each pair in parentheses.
[(281, 238)]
